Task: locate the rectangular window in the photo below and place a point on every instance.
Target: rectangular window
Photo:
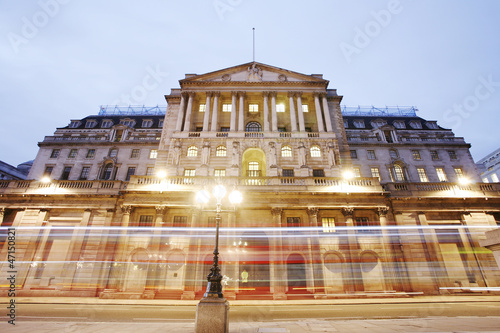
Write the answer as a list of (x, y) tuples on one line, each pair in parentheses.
[(362, 223), (422, 175), (55, 153), (282, 129), (434, 155), (357, 172), (280, 108), (198, 129), (153, 153), (90, 153), (65, 173), (135, 153), (494, 178), (371, 155), (202, 108), (253, 107), (227, 107), (48, 171), (145, 221), (189, 172), (224, 129), (416, 155), (453, 155), (375, 172), (354, 154), (72, 153), (305, 108), (85, 173), (393, 153), (441, 175), (293, 222), (180, 221), (150, 171), (328, 224), (130, 172), (113, 152), (318, 173), (288, 173), (485, 180), (459, 172), (219, 173)]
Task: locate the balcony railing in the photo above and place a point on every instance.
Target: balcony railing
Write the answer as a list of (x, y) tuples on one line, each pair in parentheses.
[(109, 187), (443, 189)]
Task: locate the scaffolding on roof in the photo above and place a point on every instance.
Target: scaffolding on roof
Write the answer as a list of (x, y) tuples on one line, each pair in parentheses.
[(132, 110), (388, 111)]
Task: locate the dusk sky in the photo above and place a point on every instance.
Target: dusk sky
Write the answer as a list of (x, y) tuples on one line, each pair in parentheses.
[(63, 59)]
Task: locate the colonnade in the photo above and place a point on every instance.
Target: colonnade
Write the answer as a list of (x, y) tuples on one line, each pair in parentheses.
[(237, 122)]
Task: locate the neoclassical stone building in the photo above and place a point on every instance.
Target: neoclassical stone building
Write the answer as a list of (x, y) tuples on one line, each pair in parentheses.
[(338, 202)]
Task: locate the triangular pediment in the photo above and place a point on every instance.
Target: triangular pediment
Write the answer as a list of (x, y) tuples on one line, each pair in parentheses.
[(253, 72)]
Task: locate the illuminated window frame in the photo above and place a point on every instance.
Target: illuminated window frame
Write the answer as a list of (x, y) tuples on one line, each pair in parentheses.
[(253, 108), (422, 175), (441, 175), (192, 151), (202, 108), (153, 153), (227, 107), (328, 224), (305, 108), (280, 107), (221, 151), (315, 151), (286, 151)]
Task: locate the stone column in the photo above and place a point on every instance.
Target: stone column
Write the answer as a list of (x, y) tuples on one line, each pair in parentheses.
[(232, 127), (2, 213), (206, 118), (241, 115), (354, 278), (180, 113), (293, 118), (326, 111), (319, 116), (190, 276), (189, 110), (274, 116), (215, 112), (279, 283), (315, 252), (300, 112), (266, 111), (389, 258)]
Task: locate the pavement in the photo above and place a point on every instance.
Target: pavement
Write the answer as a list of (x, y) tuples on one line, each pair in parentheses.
[(253, 325)]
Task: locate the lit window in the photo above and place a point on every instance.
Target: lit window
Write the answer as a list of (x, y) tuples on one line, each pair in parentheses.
[(135, 153), (221, 151), (227, 107), (459, 172), (147, 123), (371, 155), (305, 108), (113, 152), (375, 172), (253, 107), (315, 151), (398, 173), (189, 172), (357, 172), (354, 154), (359, 123), (153, 153), (441, 175), (253, 169), (219, 173), (130, 173), (453, 155), (328, 224), (150, 171), (192, 151), (280, 108), (494, 178), (485, 180), (72, 153), (434, 155), (90, 153), (286, 151), (85, 173), (422, 175), (416, 155), (55, 153), (202, 108)]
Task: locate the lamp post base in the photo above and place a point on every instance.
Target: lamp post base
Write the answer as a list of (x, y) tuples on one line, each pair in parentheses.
[(212, 315)]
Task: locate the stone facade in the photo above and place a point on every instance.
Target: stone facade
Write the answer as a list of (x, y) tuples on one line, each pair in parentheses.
[(409, 221)]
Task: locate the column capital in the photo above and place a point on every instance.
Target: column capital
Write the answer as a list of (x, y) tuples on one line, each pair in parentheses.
[(276, 212), (216, 93), (161, 209), (191, 94), (313, 211), (209, 93), (382, 211), (348, 211), (265, 93), (291, 93), (273, 93), (241, 93), (234, 93), (126, 209), (298, 94)]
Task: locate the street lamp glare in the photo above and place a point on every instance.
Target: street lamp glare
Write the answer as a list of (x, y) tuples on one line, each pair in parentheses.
[(348, 174), (219, 192), (202, 196), (464, 181), (235, 197), (162, 174), (45, 179)]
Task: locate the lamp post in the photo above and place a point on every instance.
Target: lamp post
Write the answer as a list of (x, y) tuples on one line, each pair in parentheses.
[(212, 311)]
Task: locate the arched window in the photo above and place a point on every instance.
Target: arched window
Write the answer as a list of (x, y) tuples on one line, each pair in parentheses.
[(253, 126), (286, 151), (221, 151), (192, 151), (315, 151), (398, 173)]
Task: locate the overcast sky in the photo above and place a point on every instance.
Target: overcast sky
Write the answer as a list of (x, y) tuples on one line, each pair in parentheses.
[(62, 59)]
